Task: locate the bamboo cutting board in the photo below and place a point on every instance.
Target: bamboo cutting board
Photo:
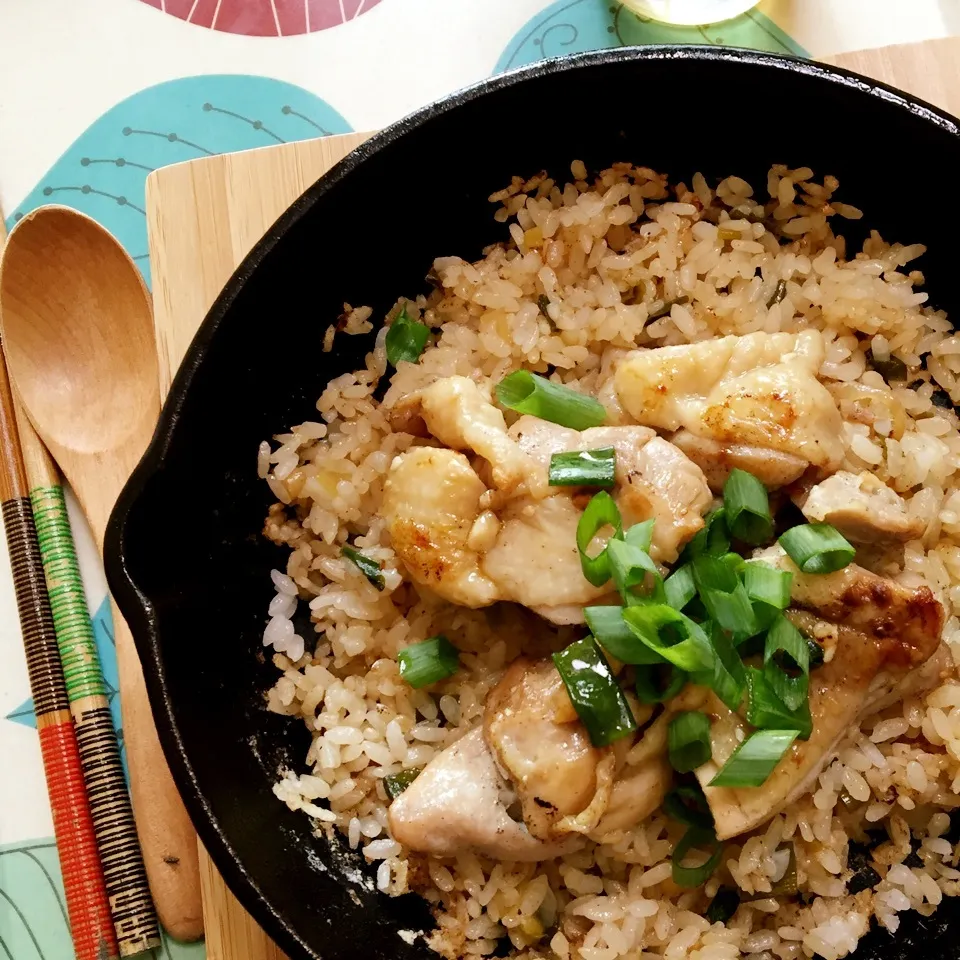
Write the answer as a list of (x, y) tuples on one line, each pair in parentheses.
[(203, 218)]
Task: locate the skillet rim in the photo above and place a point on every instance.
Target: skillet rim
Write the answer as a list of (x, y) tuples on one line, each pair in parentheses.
[(136, 605)]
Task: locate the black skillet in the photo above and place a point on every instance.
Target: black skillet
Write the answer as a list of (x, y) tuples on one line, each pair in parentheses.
[(185, 558)]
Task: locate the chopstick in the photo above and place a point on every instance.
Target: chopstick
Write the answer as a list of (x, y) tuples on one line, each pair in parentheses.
[(134, 918), (86, 895), (116, 860)]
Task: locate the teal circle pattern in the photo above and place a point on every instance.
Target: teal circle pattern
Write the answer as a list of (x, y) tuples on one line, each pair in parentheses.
[(104, 171), (575, 26)]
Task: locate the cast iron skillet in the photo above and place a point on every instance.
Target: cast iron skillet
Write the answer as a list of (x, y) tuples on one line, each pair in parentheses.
[(185, 558)]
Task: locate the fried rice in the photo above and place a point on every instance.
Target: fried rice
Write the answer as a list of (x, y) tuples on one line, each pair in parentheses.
[(589, 270)]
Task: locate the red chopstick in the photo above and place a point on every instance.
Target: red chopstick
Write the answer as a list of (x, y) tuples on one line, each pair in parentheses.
[(87, 907)]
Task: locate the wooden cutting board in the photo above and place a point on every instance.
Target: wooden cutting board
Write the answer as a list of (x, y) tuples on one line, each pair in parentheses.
[(203, 218)]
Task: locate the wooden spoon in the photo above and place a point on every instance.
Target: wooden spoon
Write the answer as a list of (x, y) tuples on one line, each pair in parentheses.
[(78, 336)]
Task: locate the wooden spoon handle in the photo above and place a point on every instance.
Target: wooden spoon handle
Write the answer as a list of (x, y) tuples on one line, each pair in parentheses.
[(167, 837)]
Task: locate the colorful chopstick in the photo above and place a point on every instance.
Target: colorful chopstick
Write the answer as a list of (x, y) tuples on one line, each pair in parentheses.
[(134, 918), (87, 907)]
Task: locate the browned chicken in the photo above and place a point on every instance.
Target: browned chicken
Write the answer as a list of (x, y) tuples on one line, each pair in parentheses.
[(885, 635), (460, 802), (863, 508), (562, 781)]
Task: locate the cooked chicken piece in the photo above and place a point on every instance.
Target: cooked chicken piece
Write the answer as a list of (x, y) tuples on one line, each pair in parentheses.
[(458, 803), (646, 777), (535, 560), (856, 682), (460, 416), (430, 502), (759, 390), (773, 468), (672, 489), (562, 781), (653, 478), (860, 599), (862, 508)]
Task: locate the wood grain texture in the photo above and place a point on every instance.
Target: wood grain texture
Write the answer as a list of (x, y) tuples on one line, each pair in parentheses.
[(205, 215), (76, 317), (202, 220), (929, 70)]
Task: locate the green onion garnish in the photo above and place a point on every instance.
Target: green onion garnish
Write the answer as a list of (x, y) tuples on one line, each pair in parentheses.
[(612, 633), (699, 839), (767, 711), (687, 805), (786, 663), (405, 339), (396, 783), (583, 468), (428, 661), (817, 548), (768, 590), (601, 512), (712, 538), (631, 567), (673, 636), (640, 535), (659, 682), (725, 904), (369, 568), (688, 741), (747, 508), (755, 759), (525, 392), (727, 678), (679, 588), (594, 692), (724, 596)]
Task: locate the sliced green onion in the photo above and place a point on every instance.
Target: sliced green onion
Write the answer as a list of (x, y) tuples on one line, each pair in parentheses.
[(714, 573), (712, 538), (735, 562), (687, 805), (768, 590), (396, 783), (632, 567), (728, 678), (699, 839), (679, 588), (659, 682), (724, 905), (369, 568), (767, 711), (786, 663), (428, 661), (672, 635), (405, 339), (601, 512), (724, 596), (612, 633), (747, 508), (755, 759), (817, 548), (525, 392), (640, 535), (688, 741), (594, 692), (583, 468)]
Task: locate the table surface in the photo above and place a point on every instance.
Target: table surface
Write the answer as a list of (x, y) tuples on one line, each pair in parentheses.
[(95, 95)]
